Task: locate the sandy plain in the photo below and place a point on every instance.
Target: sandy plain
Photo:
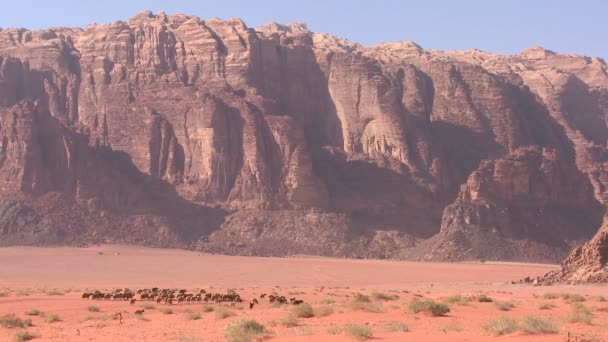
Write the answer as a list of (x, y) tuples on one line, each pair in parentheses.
[(52, 280)]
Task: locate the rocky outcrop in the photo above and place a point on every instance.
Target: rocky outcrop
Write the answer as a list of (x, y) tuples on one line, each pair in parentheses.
[(523, 204), (170, 130), (584, 264)]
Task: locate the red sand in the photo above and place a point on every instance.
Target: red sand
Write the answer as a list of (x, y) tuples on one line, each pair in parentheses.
[(28, 274)]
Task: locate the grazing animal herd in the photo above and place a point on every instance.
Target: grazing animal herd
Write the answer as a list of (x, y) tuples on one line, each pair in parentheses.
[(175, 296)]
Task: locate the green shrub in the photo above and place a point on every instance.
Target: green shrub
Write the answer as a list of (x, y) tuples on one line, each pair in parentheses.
[(358, 331), (428, 306), (244, 330), (396, 327), (536, 325), (303, 310), (500, 326), (579, 314), (93, 308), (12, 321), (25, 336), (504, 306)]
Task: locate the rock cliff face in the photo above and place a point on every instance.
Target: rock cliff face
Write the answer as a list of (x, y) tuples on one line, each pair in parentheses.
[(169, 130), (584, 264)]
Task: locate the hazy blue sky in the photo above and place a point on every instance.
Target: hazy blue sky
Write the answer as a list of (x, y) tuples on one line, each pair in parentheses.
[(504, 26)]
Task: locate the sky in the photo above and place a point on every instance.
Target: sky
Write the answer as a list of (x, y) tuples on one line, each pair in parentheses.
[(499, 26)]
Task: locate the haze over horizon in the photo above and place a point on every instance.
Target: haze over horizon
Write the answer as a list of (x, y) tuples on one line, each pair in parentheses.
[(506, 28)]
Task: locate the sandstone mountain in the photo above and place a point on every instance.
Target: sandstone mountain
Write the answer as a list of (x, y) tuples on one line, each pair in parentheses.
[(169, 130)]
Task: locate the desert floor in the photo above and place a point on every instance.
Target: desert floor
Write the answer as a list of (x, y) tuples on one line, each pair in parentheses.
[(51, 280)]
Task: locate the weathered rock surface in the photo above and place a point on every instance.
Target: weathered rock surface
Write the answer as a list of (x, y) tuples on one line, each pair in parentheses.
[(585, 264), (169, 130)]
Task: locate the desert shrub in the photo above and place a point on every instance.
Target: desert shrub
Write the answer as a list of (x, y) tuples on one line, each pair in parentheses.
[(358, 331), (451, 327), (289, 321), (208, 308), (545, 306), (504, 306), (536, 325), (551, 295), (500, 326), (4, 294), (303, 331), (188, 339), (166, 311), (396, 327), (600, 298), (335, 330), (52, 318), (222, 313), (456, 299), (12, 321), (328, 301), (295, 293), (364, 303), (573, 298), (244, 330), (25, 336), (359, 297), (384, 296), (34, 312), (428, 306), (483, 298), (193, 316), (93, 308), (579, 314), (323, 311), (54, 293), (141, 318), (303, 310), (149, 307)]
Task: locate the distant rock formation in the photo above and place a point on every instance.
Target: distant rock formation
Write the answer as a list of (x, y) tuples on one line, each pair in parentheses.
[(169, 130)]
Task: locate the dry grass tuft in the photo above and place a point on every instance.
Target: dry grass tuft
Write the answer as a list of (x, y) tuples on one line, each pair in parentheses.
[(359, 332)]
